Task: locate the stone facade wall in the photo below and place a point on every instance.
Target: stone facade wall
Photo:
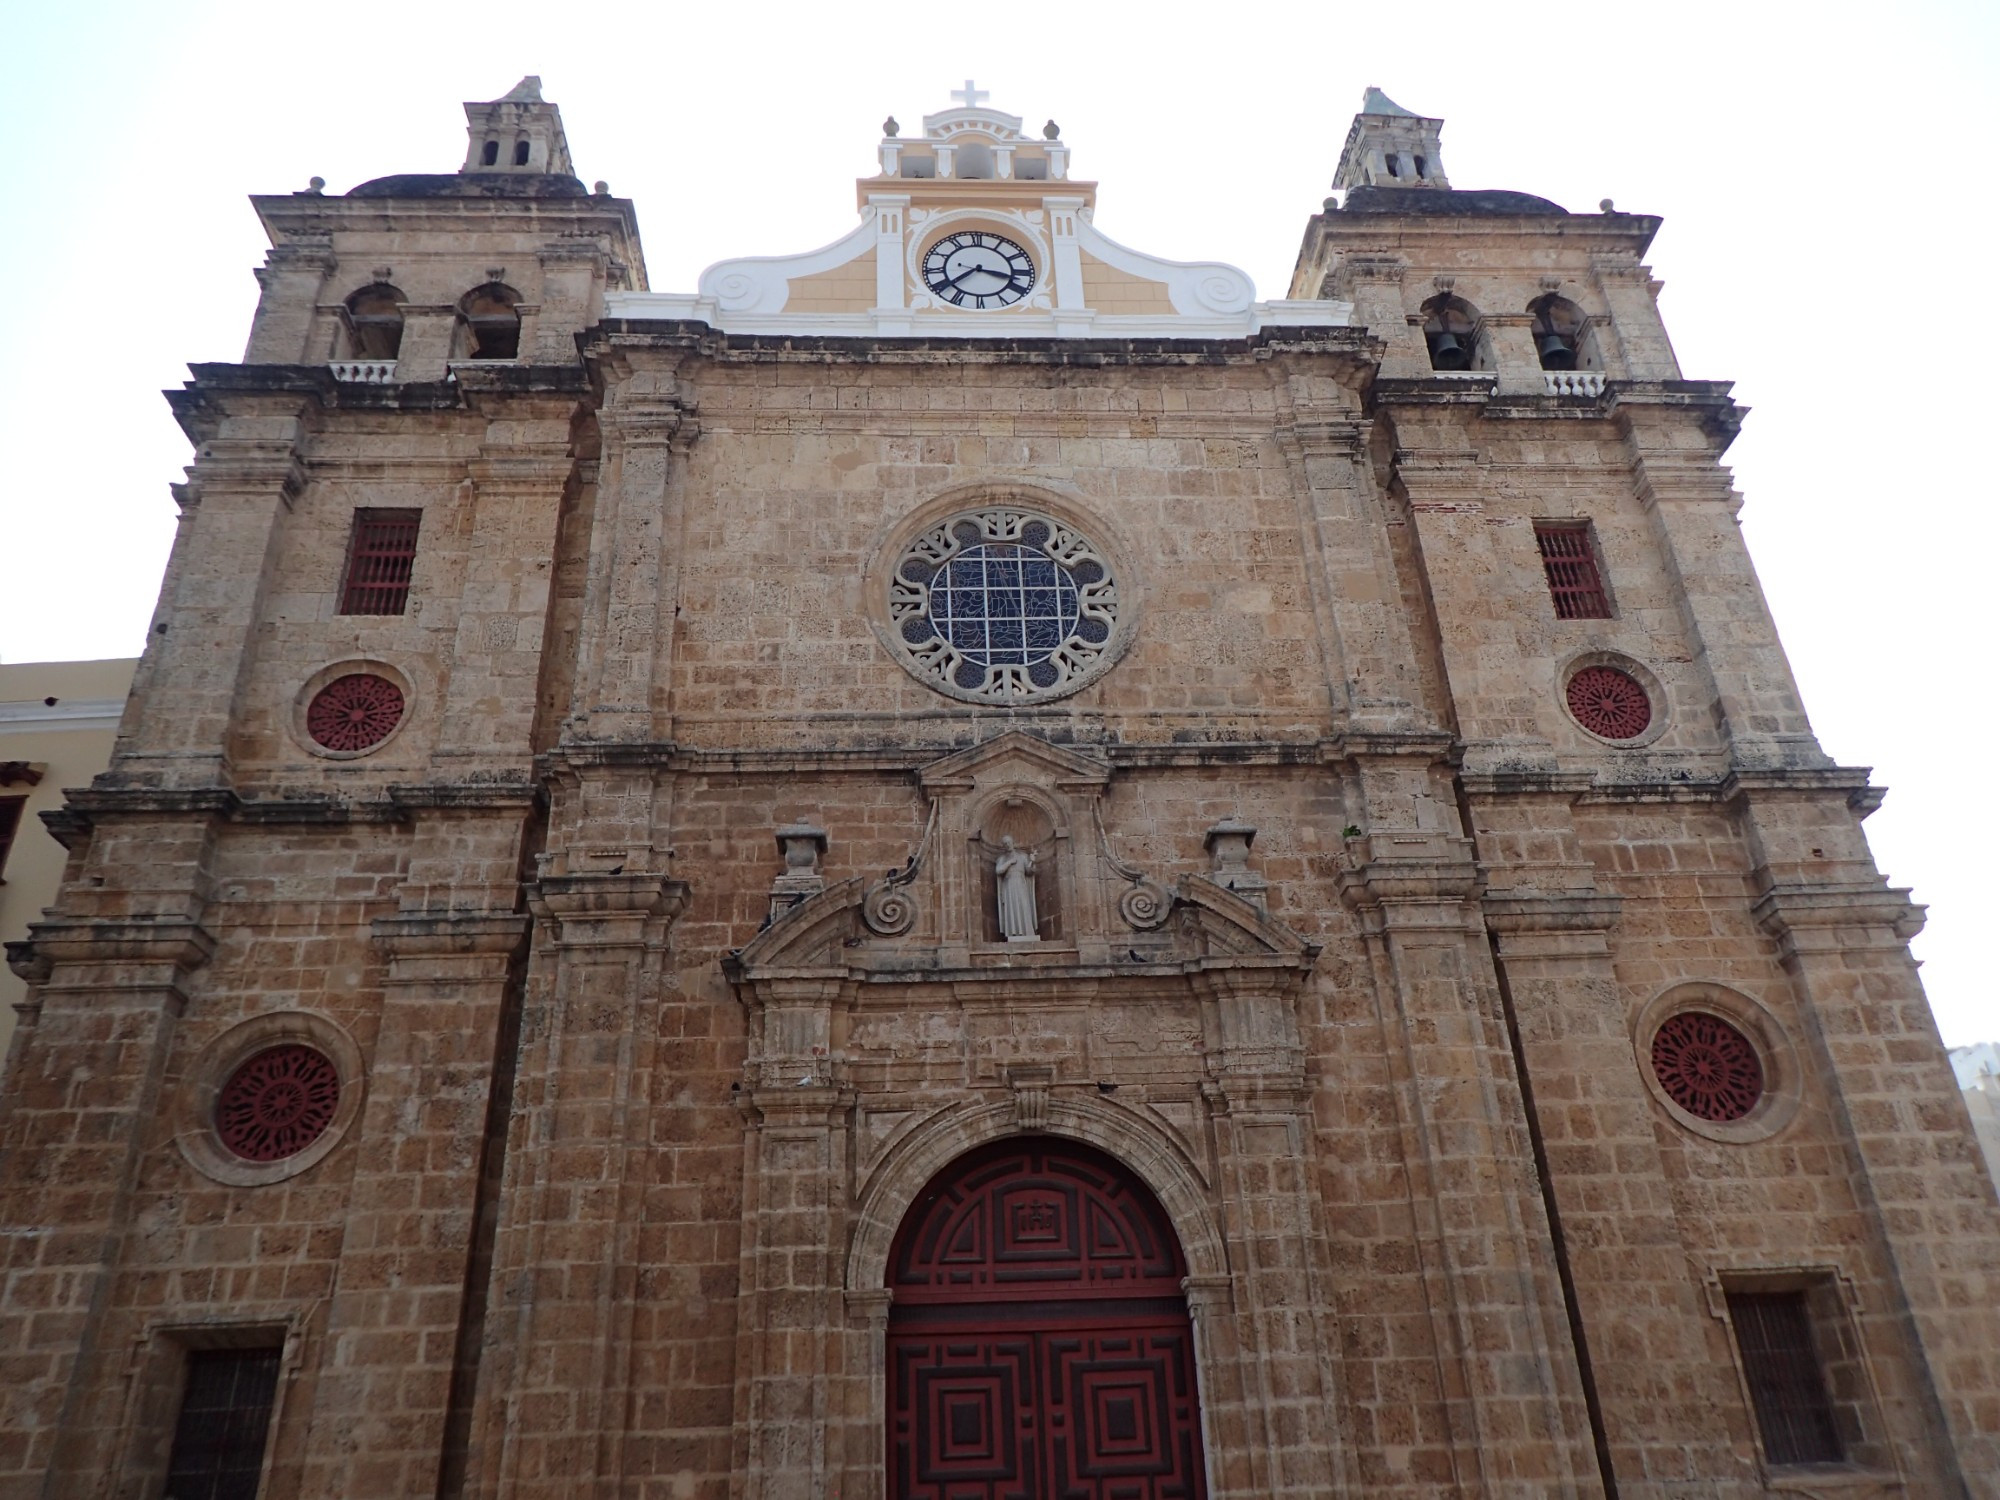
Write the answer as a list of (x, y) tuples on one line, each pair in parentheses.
[(630, 1128)]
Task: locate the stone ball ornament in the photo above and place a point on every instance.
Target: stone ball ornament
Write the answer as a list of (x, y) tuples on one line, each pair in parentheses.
[(1004, 606)]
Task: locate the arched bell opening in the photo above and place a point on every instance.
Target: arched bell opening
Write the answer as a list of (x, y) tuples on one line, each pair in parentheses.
[(1455, 335), (1562, 335), (1039, 1340)]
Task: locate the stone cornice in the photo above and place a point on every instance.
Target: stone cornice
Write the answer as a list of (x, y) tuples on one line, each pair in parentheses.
[(429, 934), (1355, 345)]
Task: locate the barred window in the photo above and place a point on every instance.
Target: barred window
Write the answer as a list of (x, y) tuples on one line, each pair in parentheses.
[(225, 1416), (1570, 561), (1795, 1417), (381, 551)]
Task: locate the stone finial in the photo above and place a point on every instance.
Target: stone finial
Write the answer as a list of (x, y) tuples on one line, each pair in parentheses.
[(601, 188), (1228, 845), (890, 128), (1604, 206), (801, 845), (316, 185), (1051, 131)]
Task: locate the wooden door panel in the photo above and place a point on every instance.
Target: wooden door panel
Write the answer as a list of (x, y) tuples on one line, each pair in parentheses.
[(962, 1425), (1119, 1414)]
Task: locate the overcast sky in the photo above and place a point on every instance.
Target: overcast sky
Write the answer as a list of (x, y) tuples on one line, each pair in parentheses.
[(1825, 171)]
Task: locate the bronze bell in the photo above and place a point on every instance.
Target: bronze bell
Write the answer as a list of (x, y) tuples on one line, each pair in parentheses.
[(1447, 353), (1556, 352)]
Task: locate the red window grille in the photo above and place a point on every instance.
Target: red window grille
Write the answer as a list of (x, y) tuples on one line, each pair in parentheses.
[(380, 554), (1609, 703), (10, 824), (356, 712), (1795, 1418), (225, 1417), (278, 1103), (1707, 1067), (1570, 561)]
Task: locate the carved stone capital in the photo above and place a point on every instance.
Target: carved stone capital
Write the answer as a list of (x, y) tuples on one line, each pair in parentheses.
[(439, 934), (1832, 918), (609, 909)]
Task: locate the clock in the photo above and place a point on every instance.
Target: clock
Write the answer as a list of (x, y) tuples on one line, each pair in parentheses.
[(978, 269)]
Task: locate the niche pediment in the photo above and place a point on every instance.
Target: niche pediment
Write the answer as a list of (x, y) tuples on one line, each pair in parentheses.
[(1015, 879)]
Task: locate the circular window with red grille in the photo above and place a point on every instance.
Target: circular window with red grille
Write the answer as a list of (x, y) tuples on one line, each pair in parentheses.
[(278, 1103), (355, 712), (1609, 703), (1707, 1067)]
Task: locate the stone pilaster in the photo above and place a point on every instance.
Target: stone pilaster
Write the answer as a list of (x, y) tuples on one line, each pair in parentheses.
[(625, 644), (1291, 1400), (1466, 569), (1366, 646), (291, 278), (491, 700), (239, 493), (1843, 936), (550, 1414), (1692, 506), (1645, 1327), (109, 992), (394, 1324), (1510, 1378)]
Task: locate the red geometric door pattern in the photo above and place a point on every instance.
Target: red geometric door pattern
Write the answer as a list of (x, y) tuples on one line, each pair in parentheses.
[(1039, 1343)]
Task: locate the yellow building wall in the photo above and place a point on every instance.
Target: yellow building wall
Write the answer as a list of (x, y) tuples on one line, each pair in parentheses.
[(845, 288), (1110, 290), (68, 741)]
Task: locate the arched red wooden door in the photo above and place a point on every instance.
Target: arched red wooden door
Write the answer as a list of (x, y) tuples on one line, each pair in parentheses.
[(1039, 1342)]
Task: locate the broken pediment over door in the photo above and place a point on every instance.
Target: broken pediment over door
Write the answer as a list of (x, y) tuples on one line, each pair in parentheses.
[(1024, 815)]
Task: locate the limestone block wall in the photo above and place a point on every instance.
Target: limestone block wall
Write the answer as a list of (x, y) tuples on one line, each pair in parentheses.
[(558, 254), (628, 1139)]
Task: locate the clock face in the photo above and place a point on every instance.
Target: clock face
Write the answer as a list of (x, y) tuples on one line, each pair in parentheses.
[(977, 269)]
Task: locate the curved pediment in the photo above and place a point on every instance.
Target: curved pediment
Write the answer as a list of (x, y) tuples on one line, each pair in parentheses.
[(839, 934)]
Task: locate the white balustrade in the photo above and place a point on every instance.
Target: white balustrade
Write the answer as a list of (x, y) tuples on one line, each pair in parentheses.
[(364, 371), (1573, 382)]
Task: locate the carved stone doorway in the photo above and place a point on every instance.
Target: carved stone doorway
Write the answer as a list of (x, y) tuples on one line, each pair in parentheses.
[(1039, 1343)]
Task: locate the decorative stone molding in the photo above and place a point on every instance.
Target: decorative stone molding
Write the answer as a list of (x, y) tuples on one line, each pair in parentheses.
[(193, 1108), (1030, 1083), (1004, 603), (1660, 711), (332, 672), (1777, 1056)]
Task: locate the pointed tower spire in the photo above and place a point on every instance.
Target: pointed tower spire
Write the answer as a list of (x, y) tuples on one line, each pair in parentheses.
[(1388, 146), (519, 132)]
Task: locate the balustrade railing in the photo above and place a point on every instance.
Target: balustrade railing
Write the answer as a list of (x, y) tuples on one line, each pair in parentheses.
[(364, 371), (1573, 382)]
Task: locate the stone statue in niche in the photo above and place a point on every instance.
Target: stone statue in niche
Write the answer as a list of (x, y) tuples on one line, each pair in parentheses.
[(1014, 875)]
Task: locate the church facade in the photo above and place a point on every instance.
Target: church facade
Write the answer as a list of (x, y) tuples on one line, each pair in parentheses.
[(974, 866)]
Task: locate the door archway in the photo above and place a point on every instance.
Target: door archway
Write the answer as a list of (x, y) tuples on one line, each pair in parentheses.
[(1039, 1345)]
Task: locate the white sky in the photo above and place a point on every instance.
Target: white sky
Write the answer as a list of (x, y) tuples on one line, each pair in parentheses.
[(1825, 171)]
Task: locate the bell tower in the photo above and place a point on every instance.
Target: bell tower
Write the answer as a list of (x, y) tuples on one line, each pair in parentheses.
[(1387, 146), (518, 132)]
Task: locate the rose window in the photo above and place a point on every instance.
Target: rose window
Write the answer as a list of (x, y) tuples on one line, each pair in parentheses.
[(1707, 1067), (278, 1103), (1609, 703), (1003, 606), (356, 712)]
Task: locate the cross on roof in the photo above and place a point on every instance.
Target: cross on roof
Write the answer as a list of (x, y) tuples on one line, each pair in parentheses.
[(971, 97)]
